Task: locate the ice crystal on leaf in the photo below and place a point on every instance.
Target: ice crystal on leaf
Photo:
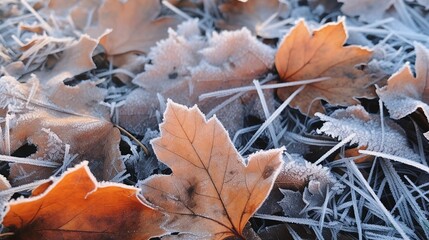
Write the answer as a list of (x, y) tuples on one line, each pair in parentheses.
[(369, 131), (187, 64)]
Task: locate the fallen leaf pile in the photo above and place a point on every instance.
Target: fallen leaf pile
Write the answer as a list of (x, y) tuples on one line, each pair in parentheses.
[(214, 119)]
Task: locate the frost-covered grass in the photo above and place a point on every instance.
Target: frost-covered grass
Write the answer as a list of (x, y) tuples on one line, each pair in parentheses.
[(384, 197)]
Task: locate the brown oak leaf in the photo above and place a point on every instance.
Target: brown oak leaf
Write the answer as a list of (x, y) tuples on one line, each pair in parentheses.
[(308, 55), (135, 25), (404, 93), (210, 186), (50, 117), (75, 206)]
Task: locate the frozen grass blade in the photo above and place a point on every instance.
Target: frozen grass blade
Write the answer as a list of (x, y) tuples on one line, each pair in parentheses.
[(45, 25), (266, 112), (332, 150), (29, 161), (227, 92), (24, 187), (390, 218), (356, 210), (270, 120), (397, 159)]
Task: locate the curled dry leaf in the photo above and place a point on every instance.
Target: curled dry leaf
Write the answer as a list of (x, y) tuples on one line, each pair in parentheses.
[(404, 93), (367, 10), (75, 206), (221, 193), (305, 55), (128, 18), (250, 14), (53, 116), (369, 132)]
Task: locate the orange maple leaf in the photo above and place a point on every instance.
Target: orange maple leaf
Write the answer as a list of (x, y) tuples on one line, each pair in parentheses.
[(75, 206), (211, 193), (305, 55)]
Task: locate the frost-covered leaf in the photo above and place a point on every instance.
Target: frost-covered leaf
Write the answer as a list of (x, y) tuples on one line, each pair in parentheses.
[(128, 18), (367, 10), (233, 55), (404, 93), (368, 129), (172, 58), (186, 65), (297, 173), (222, 193), (81, 122), (76, 206), (308, 55), (292, 203), (250, 14)]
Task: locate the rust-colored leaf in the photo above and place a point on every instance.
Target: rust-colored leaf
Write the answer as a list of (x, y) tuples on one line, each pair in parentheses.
[(211, 193), (304, 55), (75, 206)]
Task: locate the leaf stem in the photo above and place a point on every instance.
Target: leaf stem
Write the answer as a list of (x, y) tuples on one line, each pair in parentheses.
[(145, 149)]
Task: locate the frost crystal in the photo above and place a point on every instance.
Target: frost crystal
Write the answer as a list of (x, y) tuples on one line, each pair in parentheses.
[(313, 181), (172, 57), (298, 173), (234, 55), (369, 131)]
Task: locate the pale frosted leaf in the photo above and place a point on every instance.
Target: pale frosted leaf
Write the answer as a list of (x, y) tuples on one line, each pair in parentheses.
[(367, 127), (186, 65), (172, 58), (234, 55), (292, 203), (298, 173)]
